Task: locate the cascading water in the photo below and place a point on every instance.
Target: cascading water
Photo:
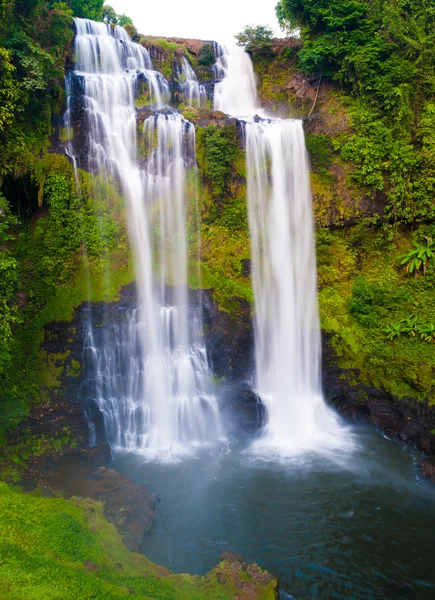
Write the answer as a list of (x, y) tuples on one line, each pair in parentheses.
[(287, 331), (152, 380), (236, 90), (194, 92)]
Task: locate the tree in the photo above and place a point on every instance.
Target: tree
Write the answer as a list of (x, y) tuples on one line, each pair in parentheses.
[(88, 9), (112, 18), (257, 39), (109, 15)]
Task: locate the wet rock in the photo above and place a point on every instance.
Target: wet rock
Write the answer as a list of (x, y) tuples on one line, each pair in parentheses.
[(250, 581), (98, 456), (405, 419), (248, 412), (229, 337), (129, 506), (428, 468), (246, 267)]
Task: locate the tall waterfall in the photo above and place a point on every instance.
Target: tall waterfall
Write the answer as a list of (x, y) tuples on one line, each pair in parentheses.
[(287, 329), (152, 380)]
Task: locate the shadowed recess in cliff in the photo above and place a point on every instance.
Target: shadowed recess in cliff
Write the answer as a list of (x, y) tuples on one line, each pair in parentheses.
[(287, 329), (151, 377)]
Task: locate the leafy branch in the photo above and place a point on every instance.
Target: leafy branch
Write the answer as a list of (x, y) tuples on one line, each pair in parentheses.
[(418, 257), (412, 327)]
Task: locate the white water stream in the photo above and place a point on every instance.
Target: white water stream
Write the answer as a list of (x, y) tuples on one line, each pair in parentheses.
[(287, 328), (153, 382), (194, 93)]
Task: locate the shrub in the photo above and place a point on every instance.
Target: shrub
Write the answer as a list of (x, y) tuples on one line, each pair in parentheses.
[(257, 39)]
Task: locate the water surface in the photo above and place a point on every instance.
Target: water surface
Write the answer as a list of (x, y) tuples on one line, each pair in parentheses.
[(348, 526)]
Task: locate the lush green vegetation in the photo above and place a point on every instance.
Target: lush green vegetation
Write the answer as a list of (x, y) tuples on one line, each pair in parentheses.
[(53, 239), (49, 264), (54, 549), (224, 220), (257, 39), (206, 55), (111, 17), (378, 317), (382, 54)]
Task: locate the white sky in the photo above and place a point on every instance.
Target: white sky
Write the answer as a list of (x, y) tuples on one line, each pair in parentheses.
[(202, 19)]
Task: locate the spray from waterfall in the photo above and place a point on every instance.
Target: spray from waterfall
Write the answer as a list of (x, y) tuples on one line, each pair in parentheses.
[(152, 379), (286, 321)]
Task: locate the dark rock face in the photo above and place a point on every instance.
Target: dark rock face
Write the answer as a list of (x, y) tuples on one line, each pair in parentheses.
[(127, 505), (130, 507), (428, 468), (405, 419), (246, 267), (230, 346), (229, 338), (245, 412)]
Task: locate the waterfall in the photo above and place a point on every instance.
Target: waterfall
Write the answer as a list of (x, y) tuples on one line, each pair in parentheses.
[(194, 92), (286, 320), (152, 379), (236, 90)]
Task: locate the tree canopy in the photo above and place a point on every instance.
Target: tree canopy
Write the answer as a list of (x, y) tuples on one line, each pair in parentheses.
[(257, 38)]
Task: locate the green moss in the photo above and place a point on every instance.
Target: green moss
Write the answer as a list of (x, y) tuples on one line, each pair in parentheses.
[(15, 456), (224, 239), (361, 290), (321, 150), (65, 134), (75, 369), (52, 366), (53, 548)]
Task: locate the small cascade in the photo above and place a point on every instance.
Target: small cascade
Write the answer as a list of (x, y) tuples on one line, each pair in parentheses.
[(194, 93), (236, 90), (286, 322), (218, 70), (152, 379)]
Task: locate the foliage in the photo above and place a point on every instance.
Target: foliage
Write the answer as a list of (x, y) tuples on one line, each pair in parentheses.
[(382, 54), (412, 327), (54, 548), (34, 38), (218, 145), (49, 263), (8, 284), (365, 301), (87, 9), (321, 150), (112, 18), (206, 55), (224, 243), (418, 257), (164, 45), (257, 39)]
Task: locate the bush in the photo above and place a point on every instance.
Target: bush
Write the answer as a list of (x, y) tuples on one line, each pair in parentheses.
[(206, 55), (258, 39)]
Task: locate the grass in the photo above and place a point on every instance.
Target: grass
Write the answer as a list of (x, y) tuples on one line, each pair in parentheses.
[(54, 549)]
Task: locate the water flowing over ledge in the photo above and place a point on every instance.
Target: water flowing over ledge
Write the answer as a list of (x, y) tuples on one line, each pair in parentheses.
[(286, 321), (153, 383)]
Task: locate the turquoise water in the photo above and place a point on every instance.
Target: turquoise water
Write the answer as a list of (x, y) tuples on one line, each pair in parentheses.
[(357, 525)]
